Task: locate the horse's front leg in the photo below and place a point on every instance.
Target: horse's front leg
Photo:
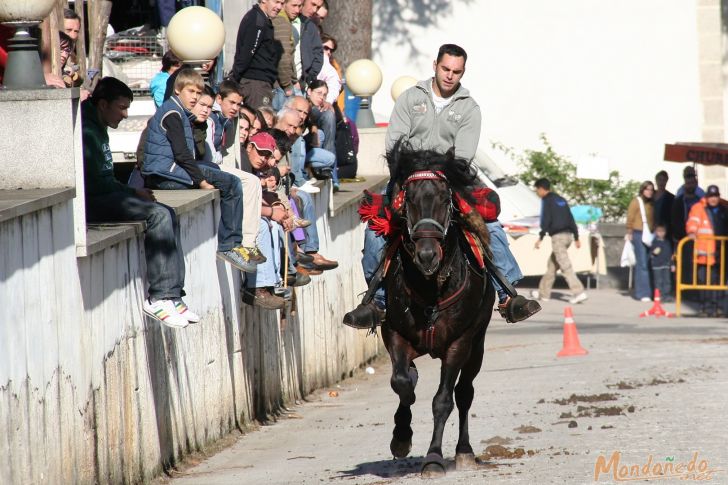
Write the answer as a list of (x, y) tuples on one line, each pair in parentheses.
[(442, 406), (403, 381)]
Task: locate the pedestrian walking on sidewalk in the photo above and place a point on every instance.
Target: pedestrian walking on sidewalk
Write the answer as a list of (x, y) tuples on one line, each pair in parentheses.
[(557, 222)]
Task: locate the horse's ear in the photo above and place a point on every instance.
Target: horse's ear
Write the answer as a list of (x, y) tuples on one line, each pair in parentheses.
[(450, 154)]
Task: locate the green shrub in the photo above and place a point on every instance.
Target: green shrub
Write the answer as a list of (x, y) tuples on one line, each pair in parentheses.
[(612, 196)]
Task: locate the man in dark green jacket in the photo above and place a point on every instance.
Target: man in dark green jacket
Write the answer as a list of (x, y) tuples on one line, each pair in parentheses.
[(108, 200)]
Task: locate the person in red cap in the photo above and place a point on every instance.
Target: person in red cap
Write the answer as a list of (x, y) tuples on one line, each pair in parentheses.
[(259, 288), (708, 218)]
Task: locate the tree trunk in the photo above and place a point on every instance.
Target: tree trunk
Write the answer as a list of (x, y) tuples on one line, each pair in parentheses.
[(98, 20), (350, 23)]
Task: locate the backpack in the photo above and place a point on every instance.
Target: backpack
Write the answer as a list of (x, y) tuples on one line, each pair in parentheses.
[(346, 160)]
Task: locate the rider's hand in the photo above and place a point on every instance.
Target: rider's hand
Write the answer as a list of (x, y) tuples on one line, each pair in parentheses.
[(537, 245), (577, 243)]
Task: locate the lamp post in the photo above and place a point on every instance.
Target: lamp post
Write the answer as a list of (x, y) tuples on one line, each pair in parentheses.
[(196, 35), (364, 78), (23, 70)]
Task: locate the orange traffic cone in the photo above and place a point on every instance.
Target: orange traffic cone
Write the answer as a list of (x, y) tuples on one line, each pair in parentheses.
[(657, 309), (571, 337)]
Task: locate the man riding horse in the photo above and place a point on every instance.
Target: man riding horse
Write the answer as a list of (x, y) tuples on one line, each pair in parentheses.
[(439, 114)]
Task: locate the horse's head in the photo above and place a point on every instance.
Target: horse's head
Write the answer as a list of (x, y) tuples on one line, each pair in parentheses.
[(428, 213)]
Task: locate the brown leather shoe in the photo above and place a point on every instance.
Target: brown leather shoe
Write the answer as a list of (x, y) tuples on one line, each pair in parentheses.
[(322, 263), (308, 271), (263, 298)]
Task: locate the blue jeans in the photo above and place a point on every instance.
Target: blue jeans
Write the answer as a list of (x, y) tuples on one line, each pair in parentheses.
[(326, 121), (298, 161), (311, 245), (230, 229), (268, 240), (502, 257), (372, 256), (662, 278), (162, 247), (642, 287), (319, 158)]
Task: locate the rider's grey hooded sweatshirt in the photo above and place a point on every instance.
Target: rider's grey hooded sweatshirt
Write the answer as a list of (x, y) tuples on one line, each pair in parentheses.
[(414, 117)]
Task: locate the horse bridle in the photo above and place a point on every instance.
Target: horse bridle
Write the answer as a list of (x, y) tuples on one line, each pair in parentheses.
[(414, 232)]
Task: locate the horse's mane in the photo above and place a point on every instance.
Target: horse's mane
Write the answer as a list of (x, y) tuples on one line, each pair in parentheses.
[(403, 160)]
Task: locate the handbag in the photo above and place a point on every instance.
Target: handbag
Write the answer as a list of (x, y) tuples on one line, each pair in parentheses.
[(628, 258), (647, 235)]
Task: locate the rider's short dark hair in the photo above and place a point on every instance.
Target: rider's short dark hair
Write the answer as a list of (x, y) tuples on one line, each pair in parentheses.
[(451, 50), (110, 89), (542, 183)]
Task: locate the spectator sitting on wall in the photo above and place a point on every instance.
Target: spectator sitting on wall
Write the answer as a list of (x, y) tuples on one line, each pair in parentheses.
[(107, 199), (170, 64), (708, 218), (259, 288), (257, 53), (226, 112), (310, 261), (321, 161), (269, 115), (169, 163), (329, 46)]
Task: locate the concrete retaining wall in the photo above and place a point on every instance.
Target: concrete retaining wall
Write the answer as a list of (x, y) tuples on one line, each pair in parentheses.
[(91, 391)]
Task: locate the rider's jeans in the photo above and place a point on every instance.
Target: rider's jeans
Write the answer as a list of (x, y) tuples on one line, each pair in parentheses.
[(502, 257)]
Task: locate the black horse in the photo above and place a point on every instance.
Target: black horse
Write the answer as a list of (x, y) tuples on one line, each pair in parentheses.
[(439, 300)]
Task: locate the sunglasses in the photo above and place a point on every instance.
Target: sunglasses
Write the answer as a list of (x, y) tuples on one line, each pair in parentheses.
[(331, 49)]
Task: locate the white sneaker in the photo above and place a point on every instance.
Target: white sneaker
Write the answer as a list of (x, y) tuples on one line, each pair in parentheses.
[(646, 299), (183, 310), (579, 298), (309, 187), (165, 312), (537, 296)]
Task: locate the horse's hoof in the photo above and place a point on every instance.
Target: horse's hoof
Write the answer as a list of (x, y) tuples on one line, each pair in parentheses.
[(465, 461), (400, 449), (434, 466)]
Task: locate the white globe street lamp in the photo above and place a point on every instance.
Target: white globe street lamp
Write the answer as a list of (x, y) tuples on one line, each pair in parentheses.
[(400, 85), (196, 35), (364, 78), (23, 70)]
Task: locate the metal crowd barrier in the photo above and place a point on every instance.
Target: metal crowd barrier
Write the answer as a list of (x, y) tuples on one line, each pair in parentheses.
[(692, 284)]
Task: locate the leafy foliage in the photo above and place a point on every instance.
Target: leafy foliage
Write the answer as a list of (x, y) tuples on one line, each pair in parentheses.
[(612, 196)]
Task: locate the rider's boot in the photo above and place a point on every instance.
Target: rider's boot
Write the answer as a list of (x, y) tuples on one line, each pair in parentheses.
[(518, 308), (365, 316)]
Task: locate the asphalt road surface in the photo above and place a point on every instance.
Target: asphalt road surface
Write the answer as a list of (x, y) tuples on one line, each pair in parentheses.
[(655, 391)]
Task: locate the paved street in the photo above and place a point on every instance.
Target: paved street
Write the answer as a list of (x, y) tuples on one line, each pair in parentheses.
[(649, 386)]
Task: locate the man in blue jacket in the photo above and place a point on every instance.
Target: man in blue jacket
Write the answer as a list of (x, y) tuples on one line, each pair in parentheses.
[(169, 163)]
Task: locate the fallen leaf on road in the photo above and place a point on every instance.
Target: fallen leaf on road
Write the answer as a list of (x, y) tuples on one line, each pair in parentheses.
[(527, 429), (333, 394)]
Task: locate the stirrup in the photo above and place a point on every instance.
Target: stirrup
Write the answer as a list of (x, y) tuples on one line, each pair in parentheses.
[(518, 308)]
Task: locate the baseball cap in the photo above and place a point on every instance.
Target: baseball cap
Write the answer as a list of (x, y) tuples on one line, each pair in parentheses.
[(712, 191), (263, 141)]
